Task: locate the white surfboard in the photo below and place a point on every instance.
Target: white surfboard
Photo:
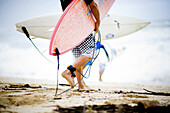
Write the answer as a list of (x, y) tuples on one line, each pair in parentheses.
[(112, 26)]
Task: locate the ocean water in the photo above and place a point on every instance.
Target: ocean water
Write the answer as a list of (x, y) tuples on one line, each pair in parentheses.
[(145, 60)]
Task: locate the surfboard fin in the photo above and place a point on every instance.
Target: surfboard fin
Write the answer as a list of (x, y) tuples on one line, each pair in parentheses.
[(118, 24)]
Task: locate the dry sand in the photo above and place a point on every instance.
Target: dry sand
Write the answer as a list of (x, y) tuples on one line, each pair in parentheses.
[(32, 96)]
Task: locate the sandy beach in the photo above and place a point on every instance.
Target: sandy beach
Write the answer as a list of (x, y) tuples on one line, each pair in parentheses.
[(31, 96)]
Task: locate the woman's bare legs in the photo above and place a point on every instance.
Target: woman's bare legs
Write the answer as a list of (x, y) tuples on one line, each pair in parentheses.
[(67, 75), (78, 64)]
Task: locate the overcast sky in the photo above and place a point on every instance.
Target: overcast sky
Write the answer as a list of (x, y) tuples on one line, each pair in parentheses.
[(13, 11)]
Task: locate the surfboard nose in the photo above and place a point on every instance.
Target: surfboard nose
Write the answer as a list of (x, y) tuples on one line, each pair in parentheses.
[(18, 27)]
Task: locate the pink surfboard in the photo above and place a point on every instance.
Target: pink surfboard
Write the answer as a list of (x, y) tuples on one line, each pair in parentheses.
[(75, 25)]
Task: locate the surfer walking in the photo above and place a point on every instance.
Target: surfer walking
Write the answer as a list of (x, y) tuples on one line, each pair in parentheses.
[(83, 52), (114, 53)]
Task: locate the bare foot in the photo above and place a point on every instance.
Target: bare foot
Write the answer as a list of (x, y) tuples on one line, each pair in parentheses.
[(83, 86), (67, 76), (84, 83)]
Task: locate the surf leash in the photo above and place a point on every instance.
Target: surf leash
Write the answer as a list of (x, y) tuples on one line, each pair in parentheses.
[(56, 50), (90, 63), (94, 58), (57, 53), (73, 69), (28, 36), (74, 84), (102, 46)]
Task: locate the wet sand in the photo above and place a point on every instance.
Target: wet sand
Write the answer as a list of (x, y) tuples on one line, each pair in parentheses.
[(32, 95)]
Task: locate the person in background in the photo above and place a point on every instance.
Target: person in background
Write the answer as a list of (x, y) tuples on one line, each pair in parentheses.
[(114, 53)]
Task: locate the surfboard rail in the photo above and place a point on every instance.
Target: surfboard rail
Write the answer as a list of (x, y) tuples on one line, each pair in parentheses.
[(58, 25)]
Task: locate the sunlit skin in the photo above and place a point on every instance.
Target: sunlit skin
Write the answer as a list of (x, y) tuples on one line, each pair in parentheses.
[(82, 60), (79, 65), (100, 77)]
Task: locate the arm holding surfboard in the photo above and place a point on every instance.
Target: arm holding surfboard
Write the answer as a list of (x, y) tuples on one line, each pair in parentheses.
[(95, 11)]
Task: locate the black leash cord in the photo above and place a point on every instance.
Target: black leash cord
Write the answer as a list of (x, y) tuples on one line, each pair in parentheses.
[(74, 84), (89, 68), (57, 53), (28, 36)]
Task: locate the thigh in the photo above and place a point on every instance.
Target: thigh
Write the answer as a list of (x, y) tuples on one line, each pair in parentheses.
[(76, 53), (88, 47)]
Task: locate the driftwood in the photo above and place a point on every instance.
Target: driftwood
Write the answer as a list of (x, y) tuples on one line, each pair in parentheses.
[(20, 87), (157, 93), (146, 93), (64, 84)]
